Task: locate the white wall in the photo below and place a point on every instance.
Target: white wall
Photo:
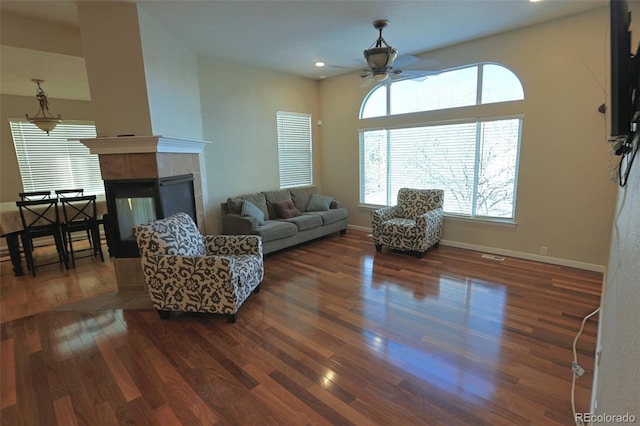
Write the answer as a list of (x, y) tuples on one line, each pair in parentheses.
[(239, 106), (171, 72), (617, 383), (618, 379), (564, 196)]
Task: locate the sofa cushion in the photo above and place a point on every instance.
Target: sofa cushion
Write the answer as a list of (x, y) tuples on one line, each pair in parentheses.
[(330, 216), (305, 221), (285, 209), (276, 229), (249, 209), (319, 203), (258, 200), (234, 205), (301, 196), (275, 197)]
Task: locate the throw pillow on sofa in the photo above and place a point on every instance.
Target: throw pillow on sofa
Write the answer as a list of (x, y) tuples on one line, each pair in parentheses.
[(249, 209), (286, 209), (319, 203)]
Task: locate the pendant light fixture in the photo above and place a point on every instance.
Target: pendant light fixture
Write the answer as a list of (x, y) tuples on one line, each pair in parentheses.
[(380, 55), (43, 118)]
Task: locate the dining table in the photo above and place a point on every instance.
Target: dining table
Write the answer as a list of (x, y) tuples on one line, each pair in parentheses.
[(11, 229)]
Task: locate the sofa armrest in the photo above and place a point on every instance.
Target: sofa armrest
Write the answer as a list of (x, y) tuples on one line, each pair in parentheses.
[(235, 224), (335, 204), (233, 244)]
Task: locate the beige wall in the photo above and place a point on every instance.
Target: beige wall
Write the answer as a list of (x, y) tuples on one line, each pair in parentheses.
[(239, 106), (564, 197)]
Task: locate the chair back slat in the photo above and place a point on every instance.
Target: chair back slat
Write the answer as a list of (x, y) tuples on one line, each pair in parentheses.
[(66, 193), (35, 195)]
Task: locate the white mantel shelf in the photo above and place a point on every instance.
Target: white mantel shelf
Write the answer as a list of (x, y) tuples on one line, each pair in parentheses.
[(144, 144)]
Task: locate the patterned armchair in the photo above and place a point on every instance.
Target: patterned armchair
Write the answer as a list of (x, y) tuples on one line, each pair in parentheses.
[(187, 272), (414, 224)]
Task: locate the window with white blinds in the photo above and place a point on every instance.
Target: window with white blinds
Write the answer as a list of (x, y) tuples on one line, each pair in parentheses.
[(474, 162), (58, 160), (294, 149), (469, 148)]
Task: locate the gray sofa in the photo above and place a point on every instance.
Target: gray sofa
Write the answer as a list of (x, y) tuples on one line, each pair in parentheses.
[(284, 217)]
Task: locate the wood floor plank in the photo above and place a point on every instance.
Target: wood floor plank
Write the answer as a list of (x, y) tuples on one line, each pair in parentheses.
[(339, 334)]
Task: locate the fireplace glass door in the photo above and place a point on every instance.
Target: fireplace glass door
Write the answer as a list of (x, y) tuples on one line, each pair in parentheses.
[(133, 211)]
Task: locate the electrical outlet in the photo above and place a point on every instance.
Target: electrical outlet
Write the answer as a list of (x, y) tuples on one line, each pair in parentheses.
[(543, 250)]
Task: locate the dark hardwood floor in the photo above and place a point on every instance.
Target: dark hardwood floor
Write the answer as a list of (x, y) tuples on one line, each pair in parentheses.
[(338, 335)]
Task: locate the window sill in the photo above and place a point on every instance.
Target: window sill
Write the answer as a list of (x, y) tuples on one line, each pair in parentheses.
[(484, 220)]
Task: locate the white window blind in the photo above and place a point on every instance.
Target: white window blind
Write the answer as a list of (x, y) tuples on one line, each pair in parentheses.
[(294, 149), (474, 162), (56, 161)]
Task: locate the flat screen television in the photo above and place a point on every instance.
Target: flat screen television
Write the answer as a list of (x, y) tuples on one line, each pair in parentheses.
[(625, 75)]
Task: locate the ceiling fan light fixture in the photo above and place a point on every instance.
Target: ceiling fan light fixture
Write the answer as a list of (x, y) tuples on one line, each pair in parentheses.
[(43, 119), (380, 76), (380, 57)]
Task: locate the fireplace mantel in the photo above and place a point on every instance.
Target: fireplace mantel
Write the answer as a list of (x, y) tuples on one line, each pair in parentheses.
[(144, 144)]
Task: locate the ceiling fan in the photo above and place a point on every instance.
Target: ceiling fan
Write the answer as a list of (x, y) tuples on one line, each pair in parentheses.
[(381, 58)]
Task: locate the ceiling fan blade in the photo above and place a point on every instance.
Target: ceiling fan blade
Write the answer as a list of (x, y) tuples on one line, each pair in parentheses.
[(424, 64), (405, 60)]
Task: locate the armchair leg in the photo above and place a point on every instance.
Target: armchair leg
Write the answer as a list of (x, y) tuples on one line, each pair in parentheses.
[(257, 289), (378, 247), (231, 318), (419, 254), (164, 314), (343, 231)]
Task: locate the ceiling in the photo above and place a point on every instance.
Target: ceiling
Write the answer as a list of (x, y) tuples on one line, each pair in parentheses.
[(288, 36)]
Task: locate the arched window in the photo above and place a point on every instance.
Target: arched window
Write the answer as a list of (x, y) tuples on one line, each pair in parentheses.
[(475, 160), (473, 85)]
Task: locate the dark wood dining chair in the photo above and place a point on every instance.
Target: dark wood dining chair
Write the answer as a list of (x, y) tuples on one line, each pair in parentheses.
[(75, 192), (34, 195), (40, 218), (80, 214)]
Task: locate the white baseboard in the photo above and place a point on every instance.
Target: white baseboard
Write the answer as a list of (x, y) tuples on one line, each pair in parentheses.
[(511, 253)]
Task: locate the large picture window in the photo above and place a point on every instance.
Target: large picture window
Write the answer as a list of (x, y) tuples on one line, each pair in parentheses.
[(58, 160), (474, 160), (475, 163)]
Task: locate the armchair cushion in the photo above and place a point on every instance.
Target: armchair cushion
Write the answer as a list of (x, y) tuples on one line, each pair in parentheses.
[(177, 235), (413, 203)]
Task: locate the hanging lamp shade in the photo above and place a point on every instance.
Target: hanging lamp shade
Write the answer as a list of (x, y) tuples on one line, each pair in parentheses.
[(380, 55), (43, 118)]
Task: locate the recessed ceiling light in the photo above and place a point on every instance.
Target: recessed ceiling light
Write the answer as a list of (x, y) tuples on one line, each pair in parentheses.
[(320, 64)]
